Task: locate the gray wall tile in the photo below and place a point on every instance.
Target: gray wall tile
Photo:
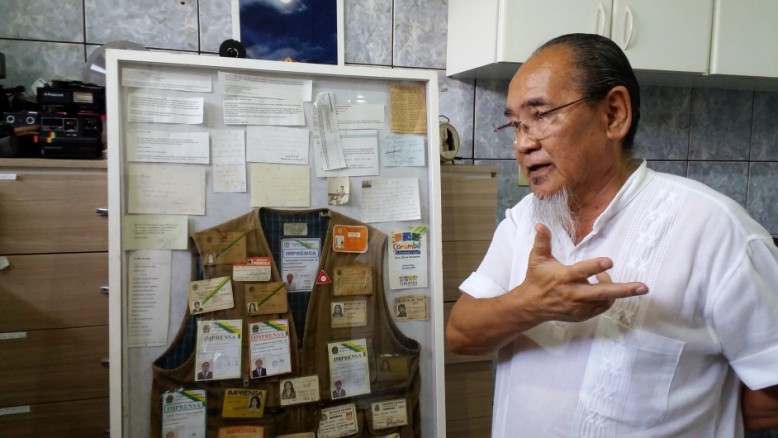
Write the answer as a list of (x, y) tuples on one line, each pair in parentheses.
[(764, 133), (490, 98), (368, 32), (26, 61), (508, 190), (420, 31), (456, 102), (663, 129), (720, 124), (42, 20), (729, 178), (673, 167), (215, 24), (151, 23), (763, 195)]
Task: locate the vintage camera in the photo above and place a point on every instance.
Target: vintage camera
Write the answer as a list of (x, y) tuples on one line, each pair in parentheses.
[(72, 96), (70, 136)]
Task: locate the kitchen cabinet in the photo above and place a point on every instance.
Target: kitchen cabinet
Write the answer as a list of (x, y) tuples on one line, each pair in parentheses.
[(745, 38), (490, 38), (53, 306)]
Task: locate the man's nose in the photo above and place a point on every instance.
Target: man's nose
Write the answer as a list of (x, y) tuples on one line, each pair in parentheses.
[(523, 143)]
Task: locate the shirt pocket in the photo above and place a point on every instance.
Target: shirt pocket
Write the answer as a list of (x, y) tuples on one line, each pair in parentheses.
[(629, 375)]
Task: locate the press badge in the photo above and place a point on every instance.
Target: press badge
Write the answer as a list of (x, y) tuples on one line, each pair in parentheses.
[(353, 280), (266, 298), (243, 431), (390, 413), (338, 421), (348, 314), (270, 348), (254, 269), (392, 367), (218, 349), (349, 238), (184, 413), (299, 390), (210, 295), (349, 373), (244, 403), (223, 248), (411, 308)]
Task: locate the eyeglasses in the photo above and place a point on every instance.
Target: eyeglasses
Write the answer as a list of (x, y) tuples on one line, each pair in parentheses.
[(536, 129)]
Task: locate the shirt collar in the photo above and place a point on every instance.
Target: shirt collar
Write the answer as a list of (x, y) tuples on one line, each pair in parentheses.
[(634, 185)]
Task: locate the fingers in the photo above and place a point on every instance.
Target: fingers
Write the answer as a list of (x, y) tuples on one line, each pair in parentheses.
[(542, 245)]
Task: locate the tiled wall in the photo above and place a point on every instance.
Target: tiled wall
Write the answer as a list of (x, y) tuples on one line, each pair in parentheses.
[(724, 138)]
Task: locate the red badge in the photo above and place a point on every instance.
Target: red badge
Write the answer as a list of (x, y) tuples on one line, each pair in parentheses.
[(323, 278)]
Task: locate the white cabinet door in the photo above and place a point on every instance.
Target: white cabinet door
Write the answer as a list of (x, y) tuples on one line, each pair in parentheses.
[(664, 35), (745, 38), (526, 24)]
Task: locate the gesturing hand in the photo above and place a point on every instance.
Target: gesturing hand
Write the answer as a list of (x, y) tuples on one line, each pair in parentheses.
[(553, 291)]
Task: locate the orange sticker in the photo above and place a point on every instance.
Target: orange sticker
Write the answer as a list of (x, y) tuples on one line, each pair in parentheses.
[(349, 238)]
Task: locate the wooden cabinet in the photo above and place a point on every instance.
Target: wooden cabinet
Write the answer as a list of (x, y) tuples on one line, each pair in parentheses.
[(745, 38), (469, 205), (663, 35), (53, 309)]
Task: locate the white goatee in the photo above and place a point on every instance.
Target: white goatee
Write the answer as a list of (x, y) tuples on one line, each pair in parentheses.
[(554, 211)]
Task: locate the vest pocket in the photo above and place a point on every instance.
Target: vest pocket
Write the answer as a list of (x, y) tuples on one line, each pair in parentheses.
[(629, 375)]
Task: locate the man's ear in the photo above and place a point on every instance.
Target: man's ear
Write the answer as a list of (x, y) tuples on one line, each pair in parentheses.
[(619, 112)]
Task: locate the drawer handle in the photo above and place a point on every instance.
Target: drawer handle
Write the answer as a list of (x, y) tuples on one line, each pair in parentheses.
[(105, 362), (105, 289), (102, 211)]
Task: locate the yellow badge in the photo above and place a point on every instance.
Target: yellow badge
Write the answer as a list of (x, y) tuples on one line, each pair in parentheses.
[(244, 403), (243, 431)]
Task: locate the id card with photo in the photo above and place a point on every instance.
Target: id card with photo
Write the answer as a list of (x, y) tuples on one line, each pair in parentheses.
[(390, 413), (270, 348), (223, 248), (349, 373), (299, 390), (242, 431), (392, 367), (338, 421), (348, 314), (254, 269), (411, 308), (184, 413), (300, 263), (218, 349), (210, 295), (349, 238), (244, 403), (266, 298), (353, 280)]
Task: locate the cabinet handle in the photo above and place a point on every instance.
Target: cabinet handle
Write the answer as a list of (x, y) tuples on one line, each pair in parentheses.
[(105, 362), (629, 21), (102, 211), (599, 24), (105, 289)]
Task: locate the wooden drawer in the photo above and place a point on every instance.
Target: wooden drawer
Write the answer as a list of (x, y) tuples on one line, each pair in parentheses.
[(469, 206), (460, 259), (46, 366), (469, 390), (79, 418), (53, 291), (53, 212), (451, 358)]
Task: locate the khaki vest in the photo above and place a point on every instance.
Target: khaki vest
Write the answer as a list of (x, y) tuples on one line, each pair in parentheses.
[(264, 229)]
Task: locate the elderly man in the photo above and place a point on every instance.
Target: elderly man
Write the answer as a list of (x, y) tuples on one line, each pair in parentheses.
[(622, 302)]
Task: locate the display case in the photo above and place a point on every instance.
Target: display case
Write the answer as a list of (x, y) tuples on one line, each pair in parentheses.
[(274, 249)]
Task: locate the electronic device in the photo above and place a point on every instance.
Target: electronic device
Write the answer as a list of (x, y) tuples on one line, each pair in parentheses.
[(70, 136)]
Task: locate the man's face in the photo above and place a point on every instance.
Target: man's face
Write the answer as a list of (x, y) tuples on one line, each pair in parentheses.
[(259, 363), (574, 151), (205, 366), (338, 385)]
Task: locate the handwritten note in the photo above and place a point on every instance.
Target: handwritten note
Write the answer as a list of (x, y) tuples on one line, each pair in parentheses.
[(147, 145), (145, 231), (280, 185), (390, 199), (148, 297), (402, 150), (277, 144), (165, 189), (152, 108), (229, 160), (408, 108)]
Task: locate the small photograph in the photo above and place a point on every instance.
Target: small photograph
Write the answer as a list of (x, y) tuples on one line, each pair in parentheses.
[(288, 392), (338, 190)]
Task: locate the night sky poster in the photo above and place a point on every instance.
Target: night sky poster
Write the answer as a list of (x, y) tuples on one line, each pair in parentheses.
[(300, 30)]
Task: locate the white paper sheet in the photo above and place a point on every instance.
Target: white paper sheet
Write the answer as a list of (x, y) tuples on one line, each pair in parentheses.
[(328, 132), (360, 150), (229, 160), (155, 146), (152, 108), (390, 199), (148, 298), (145, 231), (361, 116), (195, 82), (263, 111), (280, 185), (402, 150), (263, 86), (276, 144), (165, 189)]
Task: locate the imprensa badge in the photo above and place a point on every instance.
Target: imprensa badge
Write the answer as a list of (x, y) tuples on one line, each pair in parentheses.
[(266, 298), (244, 403), (349, 375), (270, 348), (184, 413), (299, 390), (390, 413), (243, 431), (255, 269), (218, 349), (338, 421), (353, 280), (210, 295), (349, 238)]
